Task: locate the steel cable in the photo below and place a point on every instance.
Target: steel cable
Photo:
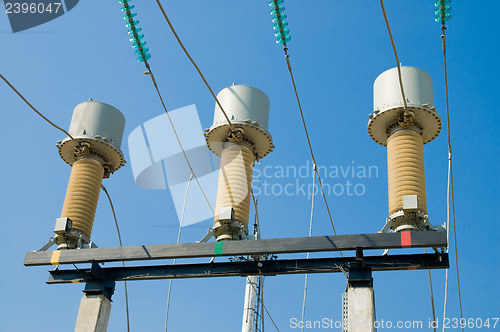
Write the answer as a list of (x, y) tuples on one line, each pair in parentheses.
[(33, 108), (287, 57), (178, 240), (194, 64), (307, 255), (395, 53), (450, 166), (120, 242)]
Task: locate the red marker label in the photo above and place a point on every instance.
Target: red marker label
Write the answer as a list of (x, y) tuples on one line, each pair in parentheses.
[(406, 239)]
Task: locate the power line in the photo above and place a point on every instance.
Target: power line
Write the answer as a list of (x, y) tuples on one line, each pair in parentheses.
[(261, 281), (307, 255), (120, 242), (178, 240), (150, 73), (33, 108), (450, 165), (395, 52), (406, 106), (287, 57), (144, 56), (432, 294), (233, 129), (282, 37)]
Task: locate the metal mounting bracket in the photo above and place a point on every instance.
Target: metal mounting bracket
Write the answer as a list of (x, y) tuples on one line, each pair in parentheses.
[(99, 282)]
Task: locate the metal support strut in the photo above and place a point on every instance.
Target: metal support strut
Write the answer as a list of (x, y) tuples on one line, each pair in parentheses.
[(95, 307)]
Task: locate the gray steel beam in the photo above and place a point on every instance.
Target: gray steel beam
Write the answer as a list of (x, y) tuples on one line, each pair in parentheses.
[(240, 248), (268, 267)]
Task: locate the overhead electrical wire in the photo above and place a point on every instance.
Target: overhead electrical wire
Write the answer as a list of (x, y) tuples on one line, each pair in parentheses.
[(395, 53), (102, 186), (442, 12), (178, 240), (261, 281), (432, 294), (139, 44), (233, 129), (406, 106), (120, 242), (448, 237), (260, 294), (194, 64), (307, 255), (33, 108), (282, 37)]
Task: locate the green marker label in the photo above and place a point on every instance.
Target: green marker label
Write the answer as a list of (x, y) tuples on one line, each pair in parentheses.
[(218, 248)]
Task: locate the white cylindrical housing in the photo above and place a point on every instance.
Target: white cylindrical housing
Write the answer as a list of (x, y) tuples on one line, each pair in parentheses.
[(417, 86), (243, 104), (248, 111), (95, 119), (389, 105), (100, 126)]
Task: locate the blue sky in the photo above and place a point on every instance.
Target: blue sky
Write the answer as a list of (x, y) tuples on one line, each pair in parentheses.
[(337, 50)]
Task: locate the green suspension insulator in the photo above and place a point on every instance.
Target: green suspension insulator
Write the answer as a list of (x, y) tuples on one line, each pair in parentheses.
[(281, 33), (442, 10), (137, 43)]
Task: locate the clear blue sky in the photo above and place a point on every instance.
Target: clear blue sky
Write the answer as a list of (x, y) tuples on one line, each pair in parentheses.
[(337, 50)]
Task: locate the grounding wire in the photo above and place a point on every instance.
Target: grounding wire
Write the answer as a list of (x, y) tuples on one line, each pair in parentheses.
[(258, 234), (432, 294), (256, 204), (450, 165), (307, 255), (261, 300), (33, 108), (178, 240), (448, 238), (261, 281), (287, 57), (194, 64), (395, 53), (120, 242)]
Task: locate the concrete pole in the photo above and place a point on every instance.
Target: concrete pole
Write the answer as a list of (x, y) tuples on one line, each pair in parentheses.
[(93, 315), (249, 306), (360, 301)]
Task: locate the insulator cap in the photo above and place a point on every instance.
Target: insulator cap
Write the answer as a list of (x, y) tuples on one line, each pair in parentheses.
[(248, 110), (389, 104), (99, 124)]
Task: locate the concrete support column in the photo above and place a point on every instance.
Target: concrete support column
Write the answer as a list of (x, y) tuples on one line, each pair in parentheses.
[(360, 301), (93, 315), (95, 307), (249, 307)]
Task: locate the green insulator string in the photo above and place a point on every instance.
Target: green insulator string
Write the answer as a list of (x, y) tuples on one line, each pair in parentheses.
[(137, 42), (442, 10), (281, 33)]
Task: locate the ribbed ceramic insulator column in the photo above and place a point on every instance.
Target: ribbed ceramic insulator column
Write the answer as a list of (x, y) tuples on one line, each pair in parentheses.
[(405, 169), (235, 181), (82, 194)]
